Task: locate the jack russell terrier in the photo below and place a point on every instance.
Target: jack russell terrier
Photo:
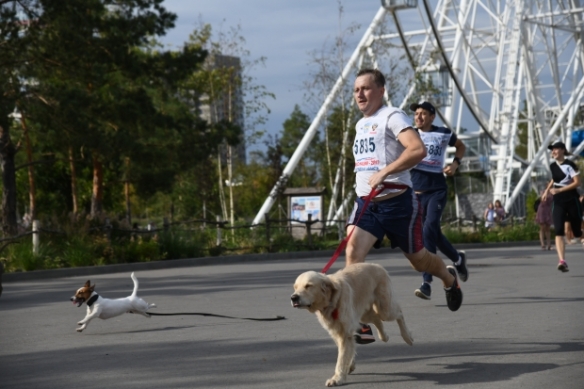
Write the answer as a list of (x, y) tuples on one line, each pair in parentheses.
[(103, 308)]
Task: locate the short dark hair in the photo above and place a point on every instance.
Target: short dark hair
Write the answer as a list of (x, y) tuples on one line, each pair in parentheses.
[(378, 77)]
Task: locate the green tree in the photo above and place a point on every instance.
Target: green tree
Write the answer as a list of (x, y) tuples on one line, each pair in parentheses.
[(293, 130), (13, 58), (234, 101), (105, 90)]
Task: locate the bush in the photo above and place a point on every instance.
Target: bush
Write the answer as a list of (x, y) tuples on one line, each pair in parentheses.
[(78, 252), (139, 250), (20, 257), (516, 233), (87, 243)]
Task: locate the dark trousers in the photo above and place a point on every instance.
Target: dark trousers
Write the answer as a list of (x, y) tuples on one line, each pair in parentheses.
[(567, 211), (433, 203)]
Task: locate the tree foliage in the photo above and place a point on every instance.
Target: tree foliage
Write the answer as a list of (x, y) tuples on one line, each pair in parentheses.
[(96, 91)]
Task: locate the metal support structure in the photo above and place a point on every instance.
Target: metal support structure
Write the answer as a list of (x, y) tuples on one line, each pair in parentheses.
[(511, 62), (512, 83), (547, 140), (309, 135)]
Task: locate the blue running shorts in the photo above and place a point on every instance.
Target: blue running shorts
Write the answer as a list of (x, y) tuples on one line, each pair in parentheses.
[(399, 218)]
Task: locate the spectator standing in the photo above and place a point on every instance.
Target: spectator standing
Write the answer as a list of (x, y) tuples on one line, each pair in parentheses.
[(490, 216), (499, 212), (543, 217)]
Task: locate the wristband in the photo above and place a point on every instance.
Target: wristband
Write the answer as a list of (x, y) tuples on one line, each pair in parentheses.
[(457, 160)]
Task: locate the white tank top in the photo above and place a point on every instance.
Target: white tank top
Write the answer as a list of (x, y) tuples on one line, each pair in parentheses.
[(376, 145)]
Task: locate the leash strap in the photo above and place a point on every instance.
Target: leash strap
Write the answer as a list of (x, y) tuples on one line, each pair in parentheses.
[(374, 192), (214, 315)]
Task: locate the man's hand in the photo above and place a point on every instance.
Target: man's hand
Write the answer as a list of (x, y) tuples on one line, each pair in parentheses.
[(376, 179), (449, 170)]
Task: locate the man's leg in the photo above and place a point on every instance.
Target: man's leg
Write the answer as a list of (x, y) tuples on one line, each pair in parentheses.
[(458, 258), (429, 242), (359, 245), (357, 248), (424, 260), (433, 204)]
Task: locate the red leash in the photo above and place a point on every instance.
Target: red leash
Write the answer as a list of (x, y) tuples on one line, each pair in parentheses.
[(374, 192)]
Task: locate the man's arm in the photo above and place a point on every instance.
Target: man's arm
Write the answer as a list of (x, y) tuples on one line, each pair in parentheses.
[(414, 153), (459, 153)]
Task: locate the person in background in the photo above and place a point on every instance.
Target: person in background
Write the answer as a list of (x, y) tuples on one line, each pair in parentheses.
[(499, 211), (582, 208), (490, 216), (429, 184), (543, 217), (566, 203)]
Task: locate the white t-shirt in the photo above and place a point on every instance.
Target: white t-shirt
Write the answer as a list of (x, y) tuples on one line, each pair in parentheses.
[(376, 146)]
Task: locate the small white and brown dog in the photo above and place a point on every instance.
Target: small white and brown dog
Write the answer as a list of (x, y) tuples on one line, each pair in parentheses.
[(100, 307), (358, 293)]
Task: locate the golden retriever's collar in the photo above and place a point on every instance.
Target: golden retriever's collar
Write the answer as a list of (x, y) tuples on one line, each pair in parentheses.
[(335, 314), (331, 312)]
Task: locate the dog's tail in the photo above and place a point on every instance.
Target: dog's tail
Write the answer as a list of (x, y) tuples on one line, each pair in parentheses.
[(135, 292), (405, 333)]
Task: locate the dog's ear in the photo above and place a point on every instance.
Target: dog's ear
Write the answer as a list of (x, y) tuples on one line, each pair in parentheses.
[(87, 284), (327, 286), (92, 287)]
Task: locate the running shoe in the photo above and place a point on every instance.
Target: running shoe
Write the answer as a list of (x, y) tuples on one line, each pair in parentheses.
[(424, 291), (364, 335), (563, 267), (453, 294), (462, 269)]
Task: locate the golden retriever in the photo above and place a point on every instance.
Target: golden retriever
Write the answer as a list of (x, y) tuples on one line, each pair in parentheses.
[(358, 293)]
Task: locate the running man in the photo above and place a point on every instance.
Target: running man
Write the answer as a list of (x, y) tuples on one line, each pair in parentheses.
[(430, 185), (386, 147)]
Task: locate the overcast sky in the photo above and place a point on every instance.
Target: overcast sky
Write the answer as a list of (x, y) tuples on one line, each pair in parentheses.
[(282, 31)]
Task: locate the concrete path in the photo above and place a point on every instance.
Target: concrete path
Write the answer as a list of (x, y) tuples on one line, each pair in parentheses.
[(521, 326)]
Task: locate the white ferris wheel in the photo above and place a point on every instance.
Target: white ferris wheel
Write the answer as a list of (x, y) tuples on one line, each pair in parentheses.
[(494, 66)]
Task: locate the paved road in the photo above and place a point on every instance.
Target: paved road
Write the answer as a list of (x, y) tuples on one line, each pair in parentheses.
[(521, 326)]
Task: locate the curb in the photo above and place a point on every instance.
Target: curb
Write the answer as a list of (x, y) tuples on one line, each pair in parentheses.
[(207, 261), (157, 265)]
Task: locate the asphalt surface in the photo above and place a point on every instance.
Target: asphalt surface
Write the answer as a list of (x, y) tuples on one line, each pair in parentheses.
[(521, 325)]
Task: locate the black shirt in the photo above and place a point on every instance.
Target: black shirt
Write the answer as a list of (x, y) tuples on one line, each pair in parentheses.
[(563, 175)]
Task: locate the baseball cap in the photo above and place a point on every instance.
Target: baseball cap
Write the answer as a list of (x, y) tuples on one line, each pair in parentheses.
[(559, 145), (425, 105)]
